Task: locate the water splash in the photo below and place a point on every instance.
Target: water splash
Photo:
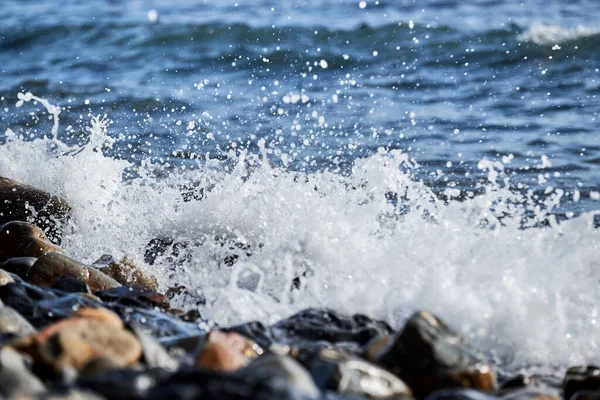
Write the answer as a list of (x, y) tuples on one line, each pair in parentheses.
[(250, 241)]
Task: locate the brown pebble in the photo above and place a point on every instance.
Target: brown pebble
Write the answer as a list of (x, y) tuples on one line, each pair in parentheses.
[(219, 354), (21, 239)]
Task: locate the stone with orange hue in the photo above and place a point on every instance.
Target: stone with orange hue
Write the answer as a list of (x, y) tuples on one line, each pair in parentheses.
[(219, 353), (21, 239), (429, 356), (51, 266), (126, 272)]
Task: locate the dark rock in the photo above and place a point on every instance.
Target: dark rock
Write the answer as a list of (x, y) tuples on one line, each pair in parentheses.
[(283, 371), (68, 284), (133, 296), (531, 393), (585, 395), (12, 322), (21, 239), (26, 300), (14, 376), (254, 330), (70, 394), (428, 356), (126, 272), (347, 374), (51, 266), (19, 265), (518, 382), (123, 384), (328, 326), (17, 200), (460, 394), (583, 378)]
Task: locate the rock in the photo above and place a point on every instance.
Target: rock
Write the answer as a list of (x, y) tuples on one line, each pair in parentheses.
[(68, 284), (428, 356), (531, 393), (5, 277), (133, 296), (583, 378), (375, 348), (21, 239), (349, 375), (460, 394), (76, 341), (15, 377), (100, 365), (26, 299), (220, 354), (325, 325), (51, 266), (71, 394), (585, 395), (154, 355), (18, 200), (18, 266), (126, 384), (12, 322), (277, 370), (126, 272)]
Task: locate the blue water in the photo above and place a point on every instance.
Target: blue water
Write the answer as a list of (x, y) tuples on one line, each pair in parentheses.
[(450, 82)]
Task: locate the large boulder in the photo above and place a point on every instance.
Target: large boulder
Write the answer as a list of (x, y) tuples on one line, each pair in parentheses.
[(20, 202), (429, 356)]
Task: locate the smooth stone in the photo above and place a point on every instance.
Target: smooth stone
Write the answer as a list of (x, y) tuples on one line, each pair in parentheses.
[(71, 394), (5, 277), (133, 296), (281, 370), (582, 378), (51, 266), (218, 354), (348, 374), (126, 384), (126, 272), (68, 284), (18, 265), (74, 342), (100, 365), (13, 322), (531, 393), (26, 299), (585, 395), (22, 239), (460, 394), (15, 377), (375, 348), (429, 356), (17, 200), (153, 353)]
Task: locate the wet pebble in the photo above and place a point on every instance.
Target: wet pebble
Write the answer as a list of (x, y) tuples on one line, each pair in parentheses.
[(126, 272), (583, 378), (428, 356), (21, 239), (14, 375), (13, 323)]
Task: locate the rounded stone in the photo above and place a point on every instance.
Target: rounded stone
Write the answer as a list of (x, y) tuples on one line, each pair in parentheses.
[(21, 239)]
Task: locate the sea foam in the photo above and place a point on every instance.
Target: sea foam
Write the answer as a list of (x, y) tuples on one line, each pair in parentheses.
[(377, 242)]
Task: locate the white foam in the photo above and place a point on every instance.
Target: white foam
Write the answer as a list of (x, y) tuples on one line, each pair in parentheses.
[(544, 34), (531, 296)]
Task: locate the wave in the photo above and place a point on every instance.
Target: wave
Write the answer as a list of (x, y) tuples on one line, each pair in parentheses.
[(543, 34), (253, 241)]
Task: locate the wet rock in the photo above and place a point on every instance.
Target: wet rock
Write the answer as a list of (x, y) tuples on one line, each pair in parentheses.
[(68, 284), (220, 354), (18, 266), (21, 239), (133, 296), (518, 382), (325, 325), (14, 376), (254, 330), (51, 266), (100, 365), (70, 394), (154, 355), (347, 374), (428, 355), (12, 322), (74, 342), (583, 378), (18, 200), (460, 394), (126, 272), (585, 395), (531, 393), (5, 277), (375, 348), (277, 370), (25, 299), (124, 384)]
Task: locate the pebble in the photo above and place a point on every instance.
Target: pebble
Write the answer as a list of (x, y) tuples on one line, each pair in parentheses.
[(218, 354), (12, 322), (583, 378), (51, 266), (429, 356), (15, 377), (21, 239), (126, 272)]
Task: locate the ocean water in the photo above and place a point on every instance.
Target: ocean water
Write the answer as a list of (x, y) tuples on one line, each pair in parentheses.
[(368, 156)]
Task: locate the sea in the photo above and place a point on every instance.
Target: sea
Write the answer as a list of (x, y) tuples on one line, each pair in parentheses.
[(374, 157)]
